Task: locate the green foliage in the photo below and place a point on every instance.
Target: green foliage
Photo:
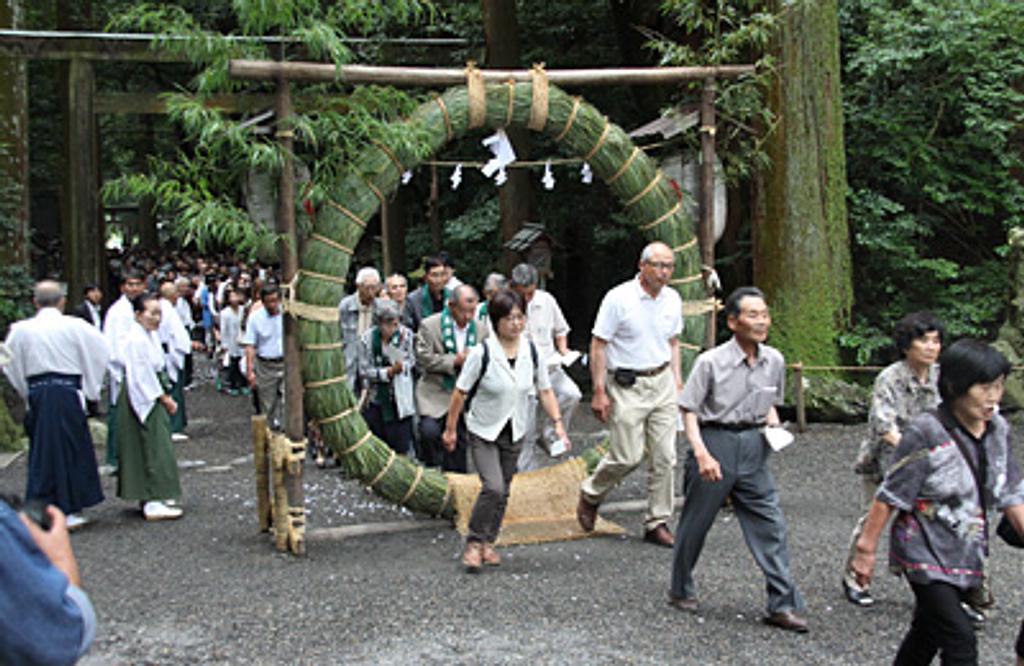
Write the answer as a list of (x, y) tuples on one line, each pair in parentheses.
[(15, 281), (198, 187), (726, 32), (933, 114)]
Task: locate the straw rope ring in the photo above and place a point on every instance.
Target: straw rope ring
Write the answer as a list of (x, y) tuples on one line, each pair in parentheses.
[(579, 130)]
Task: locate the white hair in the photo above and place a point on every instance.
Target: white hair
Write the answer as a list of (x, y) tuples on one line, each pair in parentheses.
[(649, 250), (366, 273)]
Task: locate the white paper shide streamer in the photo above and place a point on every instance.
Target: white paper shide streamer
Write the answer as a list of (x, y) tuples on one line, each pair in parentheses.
[(586, 175), (456, 177), (504, 154), (548, 179)]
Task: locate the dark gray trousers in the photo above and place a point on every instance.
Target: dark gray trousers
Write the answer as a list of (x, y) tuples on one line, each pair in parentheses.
[(743, 457), (496, 464)]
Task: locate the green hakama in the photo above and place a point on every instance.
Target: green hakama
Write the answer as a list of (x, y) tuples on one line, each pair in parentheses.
[(148, 468)]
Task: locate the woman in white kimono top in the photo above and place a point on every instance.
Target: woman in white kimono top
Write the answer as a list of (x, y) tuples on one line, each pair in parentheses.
[(148, 470)]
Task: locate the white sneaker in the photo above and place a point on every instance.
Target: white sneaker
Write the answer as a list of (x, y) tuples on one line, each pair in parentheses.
[(179, 437), (107, 470), (159, 511), (76, 521)]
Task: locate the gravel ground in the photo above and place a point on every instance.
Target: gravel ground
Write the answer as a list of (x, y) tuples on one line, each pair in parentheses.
[(210, 589)]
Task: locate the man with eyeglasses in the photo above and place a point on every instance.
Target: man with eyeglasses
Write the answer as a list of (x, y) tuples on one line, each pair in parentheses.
[(634, 366)]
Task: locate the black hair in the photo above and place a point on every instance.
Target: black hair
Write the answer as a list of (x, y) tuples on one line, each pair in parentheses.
[(913, 326), (502, 304), (269, 290), (433, 261), (139, 302), (89, 287), (732, 303), (445, 259), (968, 362)]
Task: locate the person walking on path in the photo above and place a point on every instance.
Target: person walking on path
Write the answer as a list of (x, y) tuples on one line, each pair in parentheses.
[(264, 355), (499, 374), (387, 357), (729, 397), (355, 317), (952, 465), (177, 344), (116, 325), (902, 390), (432, 296), (148, 473), (55, 360), (548, 330), (442, 345), (634, 366)]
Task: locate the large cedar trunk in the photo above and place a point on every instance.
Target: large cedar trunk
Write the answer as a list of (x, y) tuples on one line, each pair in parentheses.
[(801, 245), (501, 31)]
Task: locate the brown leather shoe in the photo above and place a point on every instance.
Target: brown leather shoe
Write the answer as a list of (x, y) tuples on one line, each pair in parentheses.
[(688, 605), (488, 555), (471, 557), (660, 536), (586, 514), (787, 620)]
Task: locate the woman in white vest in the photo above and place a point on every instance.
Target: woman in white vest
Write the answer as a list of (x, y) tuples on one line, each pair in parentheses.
[(498, 376)]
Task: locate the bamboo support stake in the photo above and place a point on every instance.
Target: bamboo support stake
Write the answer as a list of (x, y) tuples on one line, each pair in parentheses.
[(278, 465), (265, 70), (798, 391), (707, 193), (293, 503), (262, 464)]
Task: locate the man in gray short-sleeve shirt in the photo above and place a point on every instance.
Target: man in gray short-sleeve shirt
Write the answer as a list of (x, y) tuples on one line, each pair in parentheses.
[(730, 395)]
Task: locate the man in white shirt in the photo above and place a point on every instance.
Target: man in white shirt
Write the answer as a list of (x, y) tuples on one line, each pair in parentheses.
[(264, 355), (634, 364), (547, 329), (177, 344), (55, 361)]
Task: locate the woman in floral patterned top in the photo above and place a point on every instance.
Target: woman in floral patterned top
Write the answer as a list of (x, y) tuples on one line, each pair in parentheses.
[(940, 536), (903, 390)]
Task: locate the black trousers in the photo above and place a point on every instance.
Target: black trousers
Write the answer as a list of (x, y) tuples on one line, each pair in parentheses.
[(1020, 641), (939, 625), (396, 434), (432, 452)]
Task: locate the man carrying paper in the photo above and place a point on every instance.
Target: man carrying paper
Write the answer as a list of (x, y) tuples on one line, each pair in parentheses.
[(547, 329)]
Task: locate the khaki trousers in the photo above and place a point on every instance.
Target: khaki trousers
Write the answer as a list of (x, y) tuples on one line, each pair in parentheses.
[(643, 426)]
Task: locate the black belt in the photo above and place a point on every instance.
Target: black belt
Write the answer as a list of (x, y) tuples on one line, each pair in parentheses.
[(270, 360), (649, 372), (734, 427)]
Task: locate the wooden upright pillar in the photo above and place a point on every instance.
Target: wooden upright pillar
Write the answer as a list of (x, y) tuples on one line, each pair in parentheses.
[(14, 248), (84, 231), (294, 425), (707, 193)]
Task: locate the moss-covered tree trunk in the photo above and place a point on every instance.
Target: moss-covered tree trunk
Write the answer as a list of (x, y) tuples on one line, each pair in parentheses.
[(801, 242)]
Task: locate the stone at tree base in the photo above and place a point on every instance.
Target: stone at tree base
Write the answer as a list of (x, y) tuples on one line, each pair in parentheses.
[(833, 400), (1010, 340)]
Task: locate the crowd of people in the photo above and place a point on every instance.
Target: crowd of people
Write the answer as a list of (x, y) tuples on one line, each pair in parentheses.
[(466, 383)]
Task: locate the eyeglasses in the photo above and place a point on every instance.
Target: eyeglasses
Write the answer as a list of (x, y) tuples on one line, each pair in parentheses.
[(664, 265)]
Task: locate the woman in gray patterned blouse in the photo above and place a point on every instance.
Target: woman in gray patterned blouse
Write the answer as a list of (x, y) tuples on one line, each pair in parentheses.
[(940, 536), (901, 392)]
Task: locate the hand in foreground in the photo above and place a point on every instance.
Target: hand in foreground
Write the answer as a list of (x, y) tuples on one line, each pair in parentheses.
[(863, 565), (252, 379), (709, 468), (601, 405), (564, 436), (55, 543), (172, 407), (448, 440)]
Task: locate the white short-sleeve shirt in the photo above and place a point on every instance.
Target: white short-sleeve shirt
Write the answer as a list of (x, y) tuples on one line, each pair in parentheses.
[(503, 390), (637, 326), (545, 321), (266, 333)]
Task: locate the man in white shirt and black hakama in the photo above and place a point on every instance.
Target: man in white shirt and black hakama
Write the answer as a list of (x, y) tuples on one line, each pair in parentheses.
[(57, 362)]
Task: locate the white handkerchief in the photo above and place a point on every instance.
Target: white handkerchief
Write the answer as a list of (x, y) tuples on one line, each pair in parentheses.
[(777, 437)]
